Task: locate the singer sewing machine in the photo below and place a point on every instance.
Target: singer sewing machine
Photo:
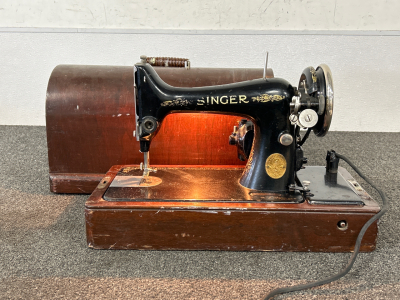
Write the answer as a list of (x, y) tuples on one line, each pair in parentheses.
[(274, 203)]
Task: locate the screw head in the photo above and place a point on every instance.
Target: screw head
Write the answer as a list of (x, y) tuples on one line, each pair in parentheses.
[(293, 118), (306, 183), (308, 118)]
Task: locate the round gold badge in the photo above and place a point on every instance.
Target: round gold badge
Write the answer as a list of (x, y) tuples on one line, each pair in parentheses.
[(275, 165)]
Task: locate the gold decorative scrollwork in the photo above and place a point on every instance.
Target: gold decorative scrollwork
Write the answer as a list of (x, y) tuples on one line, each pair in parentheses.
[(267, 98), (177, 102)]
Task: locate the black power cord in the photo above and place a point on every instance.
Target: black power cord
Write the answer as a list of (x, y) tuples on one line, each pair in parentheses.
[(356, 247), (305, 137)]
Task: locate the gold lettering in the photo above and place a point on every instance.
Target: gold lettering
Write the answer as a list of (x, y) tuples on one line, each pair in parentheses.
[(225, 101), (232, 100), (214, 100), (242, 98)]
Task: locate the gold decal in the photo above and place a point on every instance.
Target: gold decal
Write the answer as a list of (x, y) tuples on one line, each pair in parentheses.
[(275, 165), (200, 102), (225, 101), (242, 98), (267, 98), (214, 100), (177, 102), (208, 100), (232, 100)]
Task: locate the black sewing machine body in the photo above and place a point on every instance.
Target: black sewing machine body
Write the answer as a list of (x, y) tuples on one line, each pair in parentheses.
[(272, 164)]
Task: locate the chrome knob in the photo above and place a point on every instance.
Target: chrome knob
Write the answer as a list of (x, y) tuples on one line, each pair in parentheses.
[(285, 139)]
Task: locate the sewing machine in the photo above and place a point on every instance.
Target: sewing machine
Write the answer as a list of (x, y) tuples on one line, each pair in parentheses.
[(274, 203)]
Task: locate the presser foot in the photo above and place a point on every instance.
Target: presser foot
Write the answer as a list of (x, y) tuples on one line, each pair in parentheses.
[(145, 167)]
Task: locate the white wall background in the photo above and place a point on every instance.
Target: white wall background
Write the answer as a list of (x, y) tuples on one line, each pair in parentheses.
[(359, 40), (203, 14)]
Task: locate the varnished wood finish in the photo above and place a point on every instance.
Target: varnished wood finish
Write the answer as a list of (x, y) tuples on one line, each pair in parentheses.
[(196, 225), (90, 120), (74, 183)]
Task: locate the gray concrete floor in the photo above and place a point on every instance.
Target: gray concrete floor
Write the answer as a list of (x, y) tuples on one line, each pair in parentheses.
[(43, 252)]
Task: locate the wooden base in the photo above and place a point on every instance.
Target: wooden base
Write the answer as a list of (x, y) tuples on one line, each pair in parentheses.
[(247, 225)]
